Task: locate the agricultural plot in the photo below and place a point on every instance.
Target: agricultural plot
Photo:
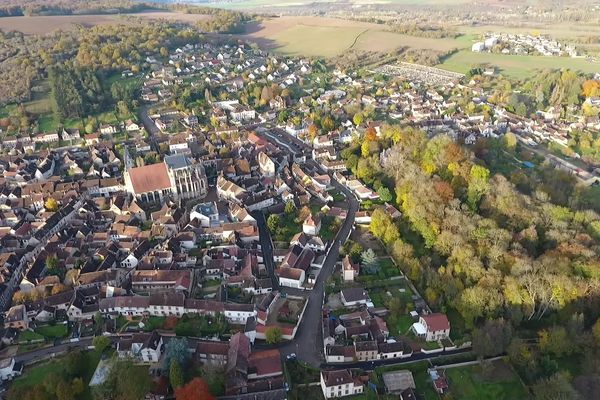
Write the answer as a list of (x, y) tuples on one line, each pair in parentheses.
[(330, 37), (41, 25)]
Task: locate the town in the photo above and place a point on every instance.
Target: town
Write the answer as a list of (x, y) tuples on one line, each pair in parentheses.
[(239, 230)]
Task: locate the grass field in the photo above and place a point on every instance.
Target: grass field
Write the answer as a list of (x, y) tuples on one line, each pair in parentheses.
[(27, 336), (329, 37), (516, 66), (471, 383), (37, 374), (53, 331)]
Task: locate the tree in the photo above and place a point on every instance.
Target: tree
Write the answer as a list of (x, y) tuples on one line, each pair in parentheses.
[(328, 124), (290, 207), (510, 141), (196, 389), (273, 335), (313, 131), (52, 264), (556, 341), (89, 127), (51, 204), (124, 382), (369, 260), (492, 339), (175, 375), (358, 119), (176, 350), (101, 343), (74, 363), (596, 331), (273, 222), (384, 194), (478, 185), (557, 387)]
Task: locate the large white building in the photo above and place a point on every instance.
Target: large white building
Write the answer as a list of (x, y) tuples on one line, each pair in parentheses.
[(176, 178)]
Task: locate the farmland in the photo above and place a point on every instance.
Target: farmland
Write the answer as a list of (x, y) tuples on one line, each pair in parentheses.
[(330, 37), (42, 25), (261, 4)]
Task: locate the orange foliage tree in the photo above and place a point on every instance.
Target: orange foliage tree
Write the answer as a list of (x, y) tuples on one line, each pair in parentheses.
[(196, 389)]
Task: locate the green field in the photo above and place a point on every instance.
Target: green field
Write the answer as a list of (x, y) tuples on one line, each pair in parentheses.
[(324, 41), (38, 373), (27, 336), (515, 66), (474, 383), (53, 331)]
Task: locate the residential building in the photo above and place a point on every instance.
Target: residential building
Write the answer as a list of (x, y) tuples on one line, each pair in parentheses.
[(339, 383)]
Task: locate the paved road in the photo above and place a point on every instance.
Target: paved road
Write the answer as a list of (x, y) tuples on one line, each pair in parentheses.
[(371, 365), (48, 351), (308, 343)]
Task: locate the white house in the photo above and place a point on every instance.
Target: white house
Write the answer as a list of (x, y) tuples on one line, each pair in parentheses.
[(291, 277), (352, 297), (350, 269), (432, 327), (9, 369), (312, 225), (266, 165), (340, 383)]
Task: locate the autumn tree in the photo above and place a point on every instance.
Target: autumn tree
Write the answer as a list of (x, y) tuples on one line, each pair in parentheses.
[(196, 389), (51, 204), (358, 119)]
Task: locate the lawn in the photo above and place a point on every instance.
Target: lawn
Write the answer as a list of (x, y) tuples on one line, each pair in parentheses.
[(387, 268), (38, 373), (27, 336), (301, 373), (401, 324), (288, 227), (380, 291), (498, 381), (329, 227), (153, 323), (47, 123), (53, 331), (514, 65)]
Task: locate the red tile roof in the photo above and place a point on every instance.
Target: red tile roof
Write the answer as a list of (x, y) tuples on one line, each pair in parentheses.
[(149, 178), (436, 322)]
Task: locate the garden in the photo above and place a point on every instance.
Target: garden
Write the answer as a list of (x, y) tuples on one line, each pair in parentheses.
[(494, 380)]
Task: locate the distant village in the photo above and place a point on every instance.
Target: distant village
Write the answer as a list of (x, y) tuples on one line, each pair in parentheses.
[(166, 221)]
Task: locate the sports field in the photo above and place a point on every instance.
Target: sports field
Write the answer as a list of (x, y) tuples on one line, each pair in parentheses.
[(516, 66)]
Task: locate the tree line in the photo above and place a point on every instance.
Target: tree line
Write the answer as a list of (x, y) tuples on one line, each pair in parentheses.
[(501, 262)]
